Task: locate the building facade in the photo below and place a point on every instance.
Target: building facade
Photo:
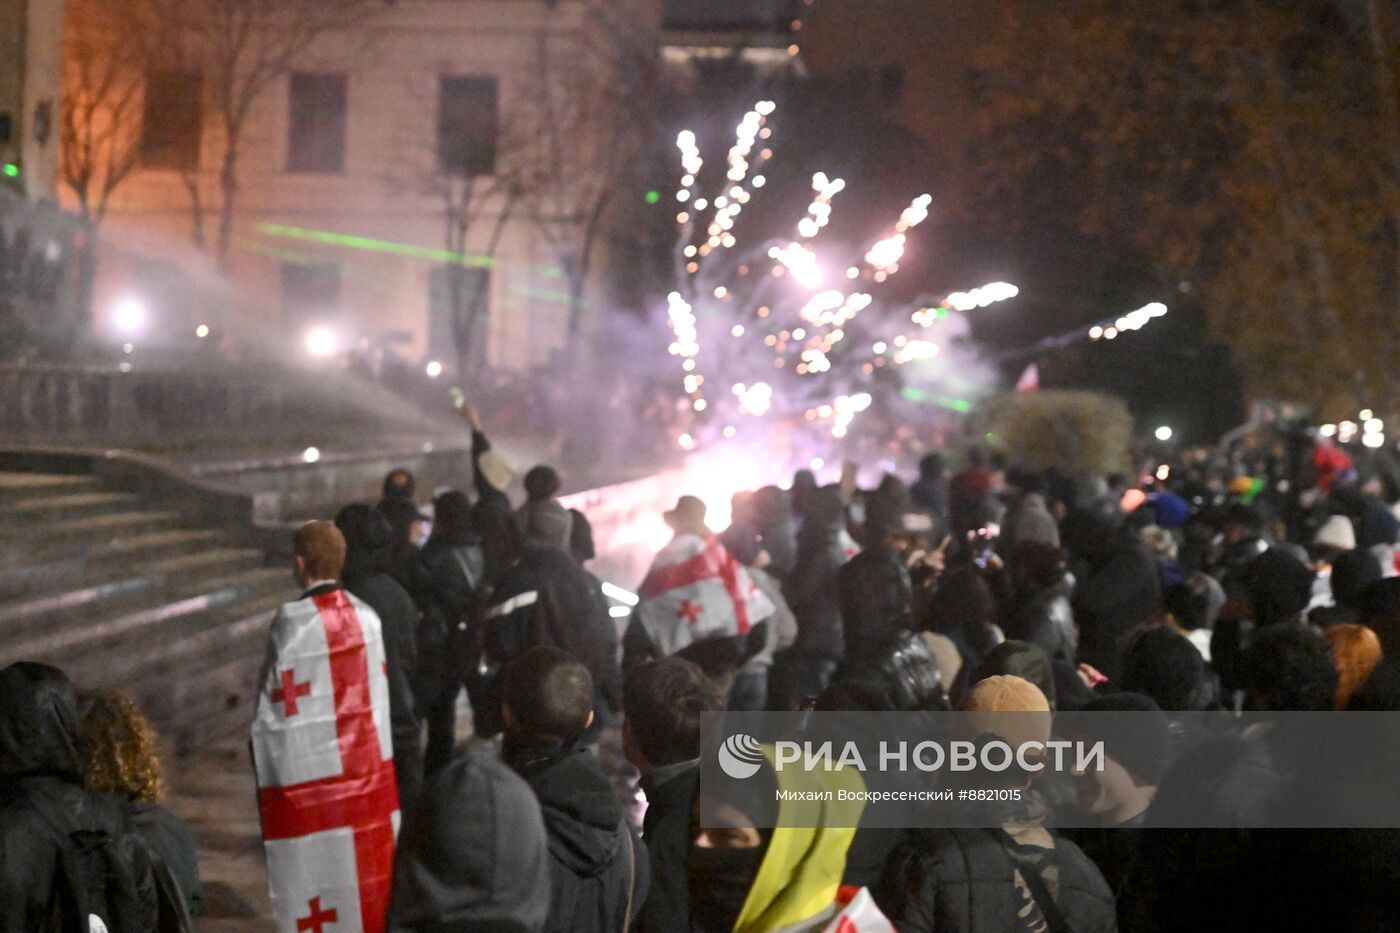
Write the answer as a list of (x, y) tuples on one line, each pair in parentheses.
[(30, 80), (356, 170)]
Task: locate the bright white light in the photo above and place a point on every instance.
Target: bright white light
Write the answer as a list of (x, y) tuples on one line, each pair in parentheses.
[(1367, 414), (321, 341), (1095, 332), (756, 399), (310, 455), (879, 348), (627, 597), (817, 463), (202, 331), (1164, 433), (129, 315), (433, 369), (1374, 441), (1328, 430), (1374, 425), (127, 348), (981, 297), (686, 441), (620, 612), (1164, 472)]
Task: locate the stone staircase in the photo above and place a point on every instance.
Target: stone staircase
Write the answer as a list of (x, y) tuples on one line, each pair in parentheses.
[(122, 593)]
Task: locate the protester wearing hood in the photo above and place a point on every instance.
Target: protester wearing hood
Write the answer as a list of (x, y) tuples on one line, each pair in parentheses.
[(963, 610), (50, 824), (805, 669), (1352, 573), (1040, 611), (1290, 667), (774, 523), (406, 523), (121, 760), (930, 492), (804, 486), (1118, 796), (599, 873), (451, 648), (875, 598), (1278, 587), (661, 738), (546, 598), (474, 854), (1161, 664), (368, 544), (1016, 877), (1116, 591), (1181, 875), (542, 518)]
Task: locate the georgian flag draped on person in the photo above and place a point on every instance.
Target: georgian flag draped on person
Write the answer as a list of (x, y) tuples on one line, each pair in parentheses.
[(696, 589), (324, 761)]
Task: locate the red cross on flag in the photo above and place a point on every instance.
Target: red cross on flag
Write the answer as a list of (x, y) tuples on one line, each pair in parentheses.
[(325, 767), (696, 589)]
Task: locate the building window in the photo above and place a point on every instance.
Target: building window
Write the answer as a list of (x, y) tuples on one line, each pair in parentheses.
[(316, 123), (170, 124), (475, 282), (468, 118), (309, 292)]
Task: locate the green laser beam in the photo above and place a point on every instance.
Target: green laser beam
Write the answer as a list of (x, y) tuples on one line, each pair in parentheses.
[(942, 401), (373, 245)]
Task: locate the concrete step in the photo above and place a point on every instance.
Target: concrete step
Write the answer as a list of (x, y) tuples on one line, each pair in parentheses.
[(74, 537), (66, 506), (17, 487), (197, 678), (87, 639), (69, 571), (150, 581), (189, 644)]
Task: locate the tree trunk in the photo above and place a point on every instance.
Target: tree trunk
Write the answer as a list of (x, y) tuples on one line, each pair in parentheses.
[(228, 189), (87, 274)]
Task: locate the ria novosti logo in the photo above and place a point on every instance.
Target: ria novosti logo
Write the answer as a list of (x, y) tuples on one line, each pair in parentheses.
[(740, 756)]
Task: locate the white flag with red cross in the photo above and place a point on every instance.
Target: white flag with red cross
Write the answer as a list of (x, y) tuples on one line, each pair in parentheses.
[(858, 914), (327, 793), (696, 589)]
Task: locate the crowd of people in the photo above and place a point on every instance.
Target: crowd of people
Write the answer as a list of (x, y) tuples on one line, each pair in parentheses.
[(990, 589)]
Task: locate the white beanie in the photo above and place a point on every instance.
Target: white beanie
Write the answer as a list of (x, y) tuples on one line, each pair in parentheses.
[(1337, 532)]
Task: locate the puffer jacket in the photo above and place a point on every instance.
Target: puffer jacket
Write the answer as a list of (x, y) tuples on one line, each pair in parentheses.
[(964, 881), (875, 598)]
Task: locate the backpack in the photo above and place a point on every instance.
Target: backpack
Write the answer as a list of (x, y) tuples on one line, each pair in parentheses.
[(96, 891)]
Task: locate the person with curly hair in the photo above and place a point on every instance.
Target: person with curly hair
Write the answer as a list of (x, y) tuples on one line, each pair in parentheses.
[(122, 760)]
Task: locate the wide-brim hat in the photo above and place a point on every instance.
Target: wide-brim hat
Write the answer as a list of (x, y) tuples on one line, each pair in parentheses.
[(688, 509)]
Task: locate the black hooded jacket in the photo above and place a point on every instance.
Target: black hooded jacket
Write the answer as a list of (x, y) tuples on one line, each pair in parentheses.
[(546, 598), (594, 856), (43, 805), (472, 856)]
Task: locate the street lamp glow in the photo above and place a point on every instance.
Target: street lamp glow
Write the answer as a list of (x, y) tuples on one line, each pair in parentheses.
[(129, 315), (321, 342), (1164, 433), (433, 369), (310, 455), (202, 331)]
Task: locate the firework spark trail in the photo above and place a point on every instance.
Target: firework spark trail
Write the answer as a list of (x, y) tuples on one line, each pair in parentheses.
[(785, 346)]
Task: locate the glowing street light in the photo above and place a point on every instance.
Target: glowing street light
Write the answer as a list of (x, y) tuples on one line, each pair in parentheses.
[(129, 315), (321, 342), (433, 369), (1164, 433)]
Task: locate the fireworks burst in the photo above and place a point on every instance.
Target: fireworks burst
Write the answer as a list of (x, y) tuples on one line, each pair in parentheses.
[(776, 324)]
